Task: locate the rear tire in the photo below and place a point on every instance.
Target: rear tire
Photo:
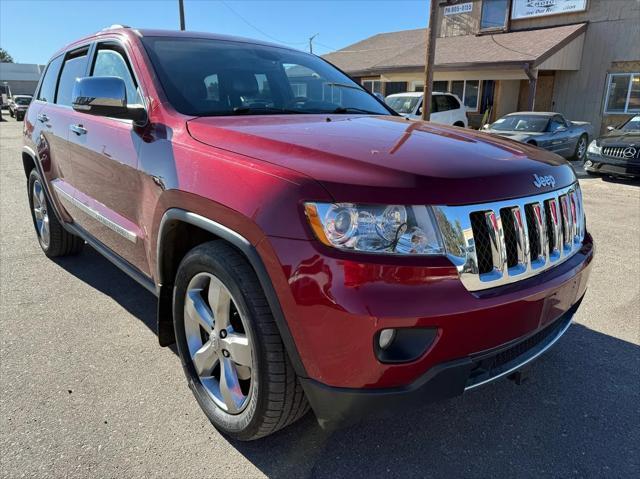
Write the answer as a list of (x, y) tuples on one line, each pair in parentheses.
[(581, 149), (53, 238), (267, 394)]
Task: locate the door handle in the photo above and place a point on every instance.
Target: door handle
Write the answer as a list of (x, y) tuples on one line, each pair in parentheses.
[(42, 118), (78, 129)]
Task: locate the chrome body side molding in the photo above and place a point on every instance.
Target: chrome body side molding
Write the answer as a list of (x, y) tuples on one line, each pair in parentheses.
[(125, 233)]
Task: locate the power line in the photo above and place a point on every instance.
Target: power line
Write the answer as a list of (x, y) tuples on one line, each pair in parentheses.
[(257, 29)]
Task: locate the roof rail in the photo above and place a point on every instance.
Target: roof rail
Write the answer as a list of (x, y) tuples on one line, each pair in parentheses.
[(114, 26)]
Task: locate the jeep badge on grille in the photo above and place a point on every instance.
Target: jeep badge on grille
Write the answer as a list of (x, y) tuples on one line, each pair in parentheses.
[(544, 181)]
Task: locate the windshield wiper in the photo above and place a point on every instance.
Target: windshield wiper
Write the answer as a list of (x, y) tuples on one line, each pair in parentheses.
[(350, 109), (243, 110)]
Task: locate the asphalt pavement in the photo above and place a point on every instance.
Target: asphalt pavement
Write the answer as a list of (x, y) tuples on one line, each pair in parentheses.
[(85, 390)]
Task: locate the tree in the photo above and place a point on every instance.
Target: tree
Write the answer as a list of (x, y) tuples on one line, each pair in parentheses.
[(5, 57)]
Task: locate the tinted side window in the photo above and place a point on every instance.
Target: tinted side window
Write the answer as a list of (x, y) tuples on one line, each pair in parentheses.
[(442, 102), (48, 88), (73, 69), (110, 63), (453, 103)]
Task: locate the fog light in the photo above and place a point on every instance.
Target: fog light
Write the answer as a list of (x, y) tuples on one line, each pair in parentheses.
[(588, 163), (386, 338)]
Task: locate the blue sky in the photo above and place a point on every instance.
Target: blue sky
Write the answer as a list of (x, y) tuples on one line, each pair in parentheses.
[(31, 30)]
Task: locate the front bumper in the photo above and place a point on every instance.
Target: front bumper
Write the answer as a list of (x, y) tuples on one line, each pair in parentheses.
[(613, 166), (334, 308), (334, 406)]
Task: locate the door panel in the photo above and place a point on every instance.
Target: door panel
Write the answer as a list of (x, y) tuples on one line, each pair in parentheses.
[(53, 149), (104, 159), (104, 156)]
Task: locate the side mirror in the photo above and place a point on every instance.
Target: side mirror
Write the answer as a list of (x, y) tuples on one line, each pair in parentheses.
[(611, 128), (486, 126), (106, 96), (560, 129)]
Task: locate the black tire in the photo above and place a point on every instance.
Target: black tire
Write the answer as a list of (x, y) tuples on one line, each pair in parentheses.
[(60, 242), (459, 124), (577, 156), (276, 398), (19, 118)]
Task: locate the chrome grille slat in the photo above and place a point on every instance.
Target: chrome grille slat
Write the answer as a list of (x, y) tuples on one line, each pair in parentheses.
[(496, 247)]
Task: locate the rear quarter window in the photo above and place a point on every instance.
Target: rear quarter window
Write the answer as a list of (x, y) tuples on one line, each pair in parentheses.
[(48, 88), (453, 103)]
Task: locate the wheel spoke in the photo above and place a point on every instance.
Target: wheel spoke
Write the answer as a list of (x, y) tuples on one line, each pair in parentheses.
[(230, 386), (44, 228), (204, 359), (198, 311), (37, 211), (238, 347), (220, 302), (41, 196)]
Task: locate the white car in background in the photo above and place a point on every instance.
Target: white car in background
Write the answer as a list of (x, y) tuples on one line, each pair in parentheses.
[(446, 108)]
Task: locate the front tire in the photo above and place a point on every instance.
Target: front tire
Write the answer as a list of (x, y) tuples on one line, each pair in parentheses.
[(231, 351), (53, 238)]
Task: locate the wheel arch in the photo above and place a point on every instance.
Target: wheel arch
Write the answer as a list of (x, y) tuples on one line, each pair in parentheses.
[(180, 231), (28, 160)]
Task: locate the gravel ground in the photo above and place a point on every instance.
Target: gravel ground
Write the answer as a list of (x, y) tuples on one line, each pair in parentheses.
[(86, 391)]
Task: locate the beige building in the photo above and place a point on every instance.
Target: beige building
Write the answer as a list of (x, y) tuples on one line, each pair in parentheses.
[(577, 57)]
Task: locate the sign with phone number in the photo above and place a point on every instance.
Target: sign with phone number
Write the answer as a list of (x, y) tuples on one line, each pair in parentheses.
[(458, 8), (540, 8)]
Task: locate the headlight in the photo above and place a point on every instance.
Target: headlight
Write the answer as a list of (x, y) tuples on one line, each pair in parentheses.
[(594, 148), (393, 229)]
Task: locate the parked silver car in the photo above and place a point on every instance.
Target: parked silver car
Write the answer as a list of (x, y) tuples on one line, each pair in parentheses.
[(548, 130)]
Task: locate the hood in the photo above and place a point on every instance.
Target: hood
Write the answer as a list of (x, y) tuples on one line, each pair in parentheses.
[(514, 135), (388, 159), (620, 138)]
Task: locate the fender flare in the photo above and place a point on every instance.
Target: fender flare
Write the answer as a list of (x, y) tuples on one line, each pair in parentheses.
[(250, 253)]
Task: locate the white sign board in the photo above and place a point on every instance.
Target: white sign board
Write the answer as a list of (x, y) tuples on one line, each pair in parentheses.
[(541, 8), (458, 8)]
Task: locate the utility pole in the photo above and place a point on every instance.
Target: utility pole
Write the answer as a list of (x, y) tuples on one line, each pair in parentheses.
[(311, 42), (428, 66), (181, 7)]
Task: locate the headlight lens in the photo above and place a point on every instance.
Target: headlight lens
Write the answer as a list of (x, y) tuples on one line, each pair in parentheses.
[(393, 229), (594, 148)]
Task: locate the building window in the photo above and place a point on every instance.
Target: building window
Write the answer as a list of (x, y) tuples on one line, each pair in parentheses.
[(374, 86), (417, 86), (440, 85), (299, 90), (494, 14), (623, 93), (468, 92)]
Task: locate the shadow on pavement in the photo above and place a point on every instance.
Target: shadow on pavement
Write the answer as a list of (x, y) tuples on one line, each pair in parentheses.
[(99, 273), (577, 415)]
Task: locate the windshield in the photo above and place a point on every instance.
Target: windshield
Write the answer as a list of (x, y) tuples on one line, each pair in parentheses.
[(632, 125), (21, 100), (204, 77), (530, 123), (403, 104)]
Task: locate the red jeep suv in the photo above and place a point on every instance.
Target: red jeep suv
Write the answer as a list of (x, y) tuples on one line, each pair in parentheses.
[(308, 247)]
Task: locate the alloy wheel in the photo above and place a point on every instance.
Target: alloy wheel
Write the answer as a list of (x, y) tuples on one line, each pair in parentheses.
[(219, 343), (40, 213), (582, 148)]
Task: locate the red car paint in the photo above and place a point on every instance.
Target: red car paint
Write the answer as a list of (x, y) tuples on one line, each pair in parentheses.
[(252, 175)]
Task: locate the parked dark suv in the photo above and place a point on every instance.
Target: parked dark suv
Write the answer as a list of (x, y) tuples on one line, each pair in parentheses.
[(307, 245)]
